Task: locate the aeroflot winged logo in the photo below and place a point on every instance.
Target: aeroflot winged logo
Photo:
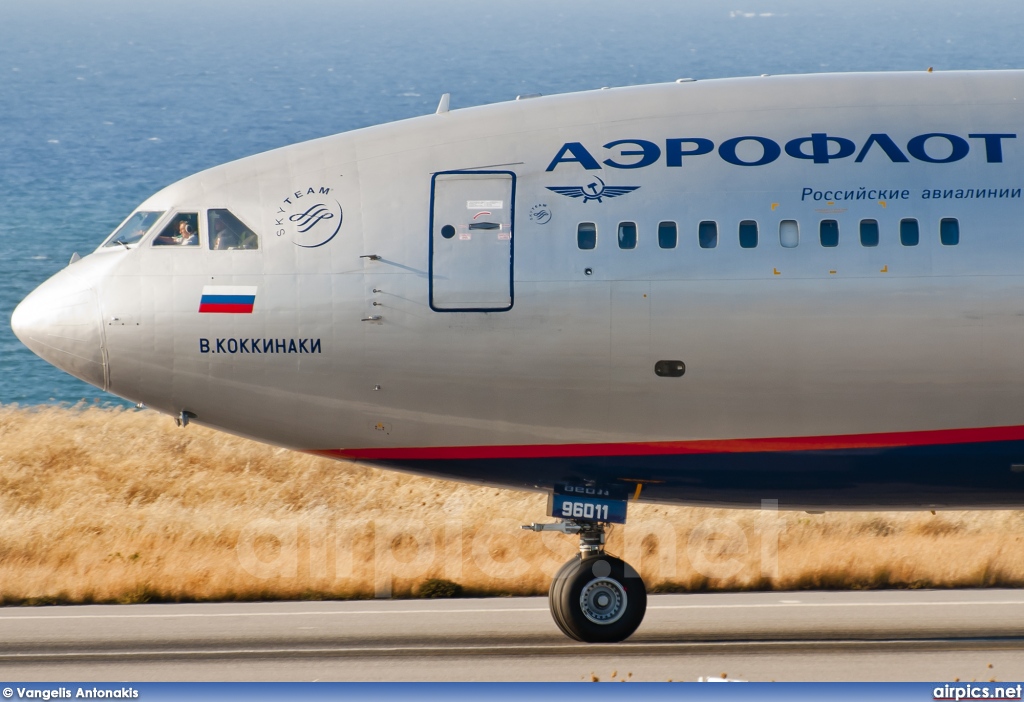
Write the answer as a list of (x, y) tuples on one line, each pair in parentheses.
[(595, 191), (309, 216)]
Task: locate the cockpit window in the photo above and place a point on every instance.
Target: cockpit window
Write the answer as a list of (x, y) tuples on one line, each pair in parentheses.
[(133, 229), (183, 230), (228, 232)]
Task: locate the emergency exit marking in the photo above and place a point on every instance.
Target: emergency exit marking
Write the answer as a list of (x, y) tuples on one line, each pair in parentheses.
[(484, 204)]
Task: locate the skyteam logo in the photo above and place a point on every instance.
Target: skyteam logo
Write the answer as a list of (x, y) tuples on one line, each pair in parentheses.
[(595, 190), (310, 217)]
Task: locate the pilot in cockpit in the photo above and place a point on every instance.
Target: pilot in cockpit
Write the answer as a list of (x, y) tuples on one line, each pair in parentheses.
[(223, 236), (186, 236)]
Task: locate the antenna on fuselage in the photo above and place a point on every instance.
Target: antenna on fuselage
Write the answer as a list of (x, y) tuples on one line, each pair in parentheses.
[(442, 106)]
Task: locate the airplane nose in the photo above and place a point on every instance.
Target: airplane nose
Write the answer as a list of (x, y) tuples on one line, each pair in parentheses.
[(60, 322)]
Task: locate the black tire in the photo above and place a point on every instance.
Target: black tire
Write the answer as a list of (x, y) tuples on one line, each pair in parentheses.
[(555, 594), (598, 600)]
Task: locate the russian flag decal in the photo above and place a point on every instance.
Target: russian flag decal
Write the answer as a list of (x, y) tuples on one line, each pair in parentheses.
[(228, 299)]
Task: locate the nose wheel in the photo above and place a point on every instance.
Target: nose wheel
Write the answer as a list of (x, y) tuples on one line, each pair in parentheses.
[(595, 598)]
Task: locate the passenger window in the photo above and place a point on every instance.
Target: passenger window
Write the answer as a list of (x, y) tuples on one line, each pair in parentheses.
[(748, 234), (949, 232), (789, 233), (868, 232), (707, 235), (586, 235), (909, 233), (828, 231), (183, 230), (627, 235), (667, 235), (226, 231)]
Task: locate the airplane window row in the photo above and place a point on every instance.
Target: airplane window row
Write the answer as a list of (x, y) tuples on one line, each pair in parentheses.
[(789, 233), (224, 231)]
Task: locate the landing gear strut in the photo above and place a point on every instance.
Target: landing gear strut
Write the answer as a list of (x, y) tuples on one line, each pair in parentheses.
[(595, 597)]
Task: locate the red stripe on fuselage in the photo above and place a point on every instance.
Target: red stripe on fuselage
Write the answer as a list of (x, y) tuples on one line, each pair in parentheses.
[(939, 437), (225, 308)]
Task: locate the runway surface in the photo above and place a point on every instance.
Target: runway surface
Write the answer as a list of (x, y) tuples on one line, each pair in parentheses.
[(889, 635)]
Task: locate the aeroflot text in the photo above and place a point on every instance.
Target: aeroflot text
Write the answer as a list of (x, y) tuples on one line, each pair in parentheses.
[(935, 147)]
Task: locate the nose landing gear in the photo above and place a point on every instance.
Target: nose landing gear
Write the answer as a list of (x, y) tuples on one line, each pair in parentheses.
[(595, 597)]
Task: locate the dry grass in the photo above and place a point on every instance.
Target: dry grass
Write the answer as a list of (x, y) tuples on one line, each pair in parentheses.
[(103, 505)]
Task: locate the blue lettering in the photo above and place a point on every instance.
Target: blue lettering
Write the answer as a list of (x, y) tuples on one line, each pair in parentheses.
[(291, 346), (887, 145), (805, 193), (579, 155), (820, 148), (993, 145), (314, 346), (674, 150), (243, 345), (232, 345), (302, 346), (204, 346), (959, 146), (325, 191), (727, 151), (648, 153), (268, 346), (280, 346), (220, 346), (255, 345)]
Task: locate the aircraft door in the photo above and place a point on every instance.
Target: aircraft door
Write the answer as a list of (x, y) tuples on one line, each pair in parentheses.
[(471, 247)]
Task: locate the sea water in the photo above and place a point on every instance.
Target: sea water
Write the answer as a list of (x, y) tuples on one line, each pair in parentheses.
[(103, 102)]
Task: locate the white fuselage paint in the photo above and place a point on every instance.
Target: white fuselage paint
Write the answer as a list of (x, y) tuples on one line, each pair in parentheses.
[(778, 342)]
